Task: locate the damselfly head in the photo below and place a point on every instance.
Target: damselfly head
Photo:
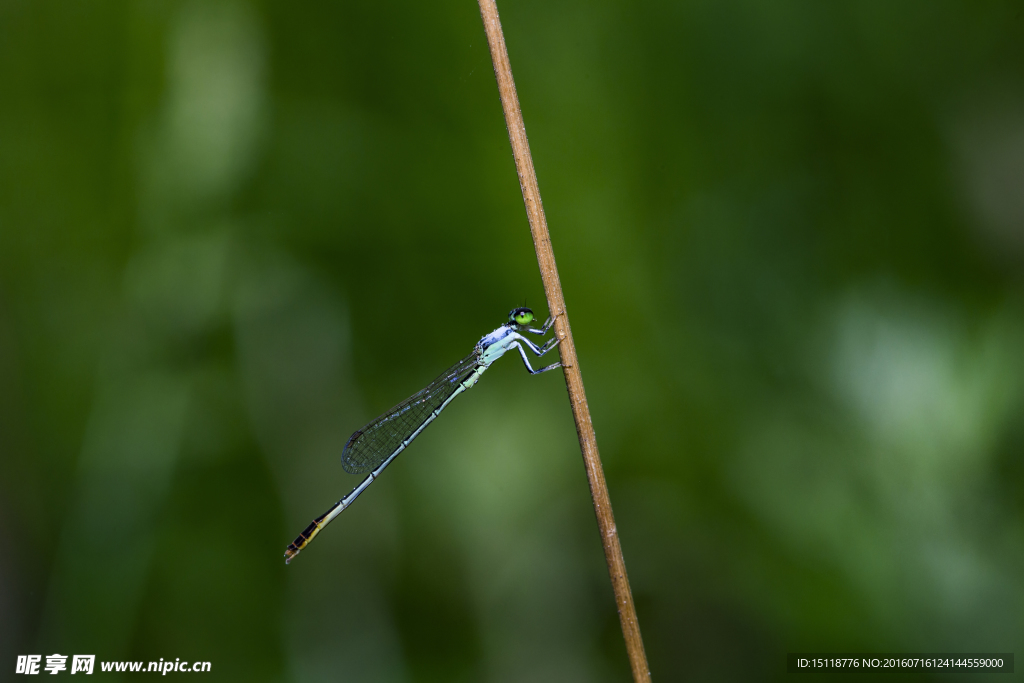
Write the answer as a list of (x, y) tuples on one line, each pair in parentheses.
[(521, 316)]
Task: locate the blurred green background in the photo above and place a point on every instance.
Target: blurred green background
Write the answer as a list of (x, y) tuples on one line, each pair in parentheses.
[(791, 238)]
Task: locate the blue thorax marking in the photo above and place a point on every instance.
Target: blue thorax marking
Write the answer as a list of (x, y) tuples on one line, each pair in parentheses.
[(495, 337)]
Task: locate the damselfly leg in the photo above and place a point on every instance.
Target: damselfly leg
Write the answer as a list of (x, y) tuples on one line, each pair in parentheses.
[(544, 328), (540, 351)]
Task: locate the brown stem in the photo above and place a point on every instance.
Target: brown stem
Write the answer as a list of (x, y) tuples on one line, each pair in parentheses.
[(573, 378)]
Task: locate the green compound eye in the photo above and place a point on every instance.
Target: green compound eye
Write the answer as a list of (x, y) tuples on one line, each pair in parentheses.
[(521, 316)]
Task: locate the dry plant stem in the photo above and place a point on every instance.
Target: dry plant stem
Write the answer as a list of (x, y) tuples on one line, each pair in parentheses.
[(573, 378)]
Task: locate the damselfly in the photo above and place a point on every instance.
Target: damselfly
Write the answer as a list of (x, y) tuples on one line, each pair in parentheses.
[(373, 447)]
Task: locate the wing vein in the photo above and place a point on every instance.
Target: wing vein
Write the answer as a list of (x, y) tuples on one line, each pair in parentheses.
[(373, 444)]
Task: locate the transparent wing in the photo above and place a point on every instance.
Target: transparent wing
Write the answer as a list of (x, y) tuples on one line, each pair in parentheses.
[(371, 445)]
